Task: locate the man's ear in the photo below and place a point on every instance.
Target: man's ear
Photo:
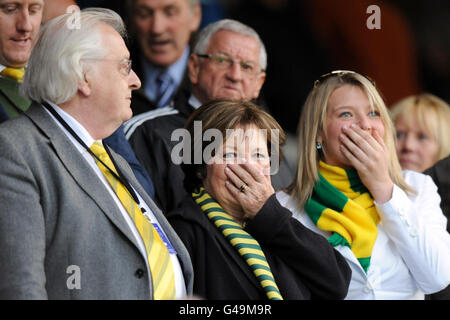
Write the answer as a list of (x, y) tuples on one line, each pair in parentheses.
[(259, 84), (193, 68), (196, 17), (84, 86)]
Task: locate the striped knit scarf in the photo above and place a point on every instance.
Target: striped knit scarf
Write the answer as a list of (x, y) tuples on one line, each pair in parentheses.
[(341, 204), (243, 242)]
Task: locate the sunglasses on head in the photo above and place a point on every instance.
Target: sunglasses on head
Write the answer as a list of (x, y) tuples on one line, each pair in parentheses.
[(325, 76)]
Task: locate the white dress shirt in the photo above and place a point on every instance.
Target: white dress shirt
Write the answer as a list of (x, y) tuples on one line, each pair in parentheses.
[(180, 286), (411, 255)]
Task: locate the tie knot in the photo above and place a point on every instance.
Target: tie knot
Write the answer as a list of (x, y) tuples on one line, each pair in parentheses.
[(163, 88), (163, 78), (98, 149), (14, 73)]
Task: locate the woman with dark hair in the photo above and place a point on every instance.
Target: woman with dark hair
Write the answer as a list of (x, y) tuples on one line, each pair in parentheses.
[(243, 243)]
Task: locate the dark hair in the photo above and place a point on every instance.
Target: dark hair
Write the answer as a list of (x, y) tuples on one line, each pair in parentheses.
[(223, 114)]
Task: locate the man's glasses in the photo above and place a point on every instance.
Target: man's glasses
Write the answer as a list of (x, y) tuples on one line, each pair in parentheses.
[(124, 65), (223, 61), (325, 76)]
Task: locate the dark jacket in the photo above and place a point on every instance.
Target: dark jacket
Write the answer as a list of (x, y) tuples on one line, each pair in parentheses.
[(303, 263), (152, 145), (440, 173), (3, 115)]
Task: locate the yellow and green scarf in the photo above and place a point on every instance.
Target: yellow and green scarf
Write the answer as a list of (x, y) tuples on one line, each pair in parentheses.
[(341, 204), (242, 241)]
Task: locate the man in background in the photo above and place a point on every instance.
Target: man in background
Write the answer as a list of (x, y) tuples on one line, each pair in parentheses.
[(162, 30), (20, 21), (228, 61)]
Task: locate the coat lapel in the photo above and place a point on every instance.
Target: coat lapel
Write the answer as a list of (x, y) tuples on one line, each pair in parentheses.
[(78, 168)]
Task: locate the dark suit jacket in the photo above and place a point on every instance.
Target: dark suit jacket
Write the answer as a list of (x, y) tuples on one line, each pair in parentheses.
[(304, 264), (56, 213), (440, 173), (3, 115)]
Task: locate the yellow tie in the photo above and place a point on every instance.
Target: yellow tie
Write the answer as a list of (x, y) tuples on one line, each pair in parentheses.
[(158, 256), (14, 73)]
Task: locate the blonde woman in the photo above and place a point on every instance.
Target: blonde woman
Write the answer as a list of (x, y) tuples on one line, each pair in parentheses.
[(350, 189), (422, 123)]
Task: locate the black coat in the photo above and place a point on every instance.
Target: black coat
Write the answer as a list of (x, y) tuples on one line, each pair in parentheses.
[(152, 145), (303, 263), (440, 173), (3, 115)]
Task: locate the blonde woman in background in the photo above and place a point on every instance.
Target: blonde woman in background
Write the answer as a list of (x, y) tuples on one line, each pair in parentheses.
[(350, 189), (422, 123)]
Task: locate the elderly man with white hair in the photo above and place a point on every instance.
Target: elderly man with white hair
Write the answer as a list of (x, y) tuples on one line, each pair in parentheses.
[(74, 222)]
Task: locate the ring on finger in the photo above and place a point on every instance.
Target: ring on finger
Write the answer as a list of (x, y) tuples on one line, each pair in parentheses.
[(243, 187)]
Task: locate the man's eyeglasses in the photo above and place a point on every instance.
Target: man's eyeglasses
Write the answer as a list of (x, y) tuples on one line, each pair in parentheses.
[(223, 61), (124, 65), (325, 76)]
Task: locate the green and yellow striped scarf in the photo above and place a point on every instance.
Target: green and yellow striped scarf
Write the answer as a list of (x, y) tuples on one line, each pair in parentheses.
[(341, 204), (242, 241)]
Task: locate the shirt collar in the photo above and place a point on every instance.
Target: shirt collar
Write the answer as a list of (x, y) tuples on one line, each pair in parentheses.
[(75, 125), (194, 102), (175, 70), (3, 67)]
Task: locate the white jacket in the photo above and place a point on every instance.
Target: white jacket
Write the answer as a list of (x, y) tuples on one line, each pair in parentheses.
[(411, 255)]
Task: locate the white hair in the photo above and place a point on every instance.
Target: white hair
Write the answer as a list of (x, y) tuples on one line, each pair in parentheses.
[(204, 37), (57, 62)]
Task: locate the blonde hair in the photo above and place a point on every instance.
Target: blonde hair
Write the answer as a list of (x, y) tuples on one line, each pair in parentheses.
[(430, 113), (312, 122)]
